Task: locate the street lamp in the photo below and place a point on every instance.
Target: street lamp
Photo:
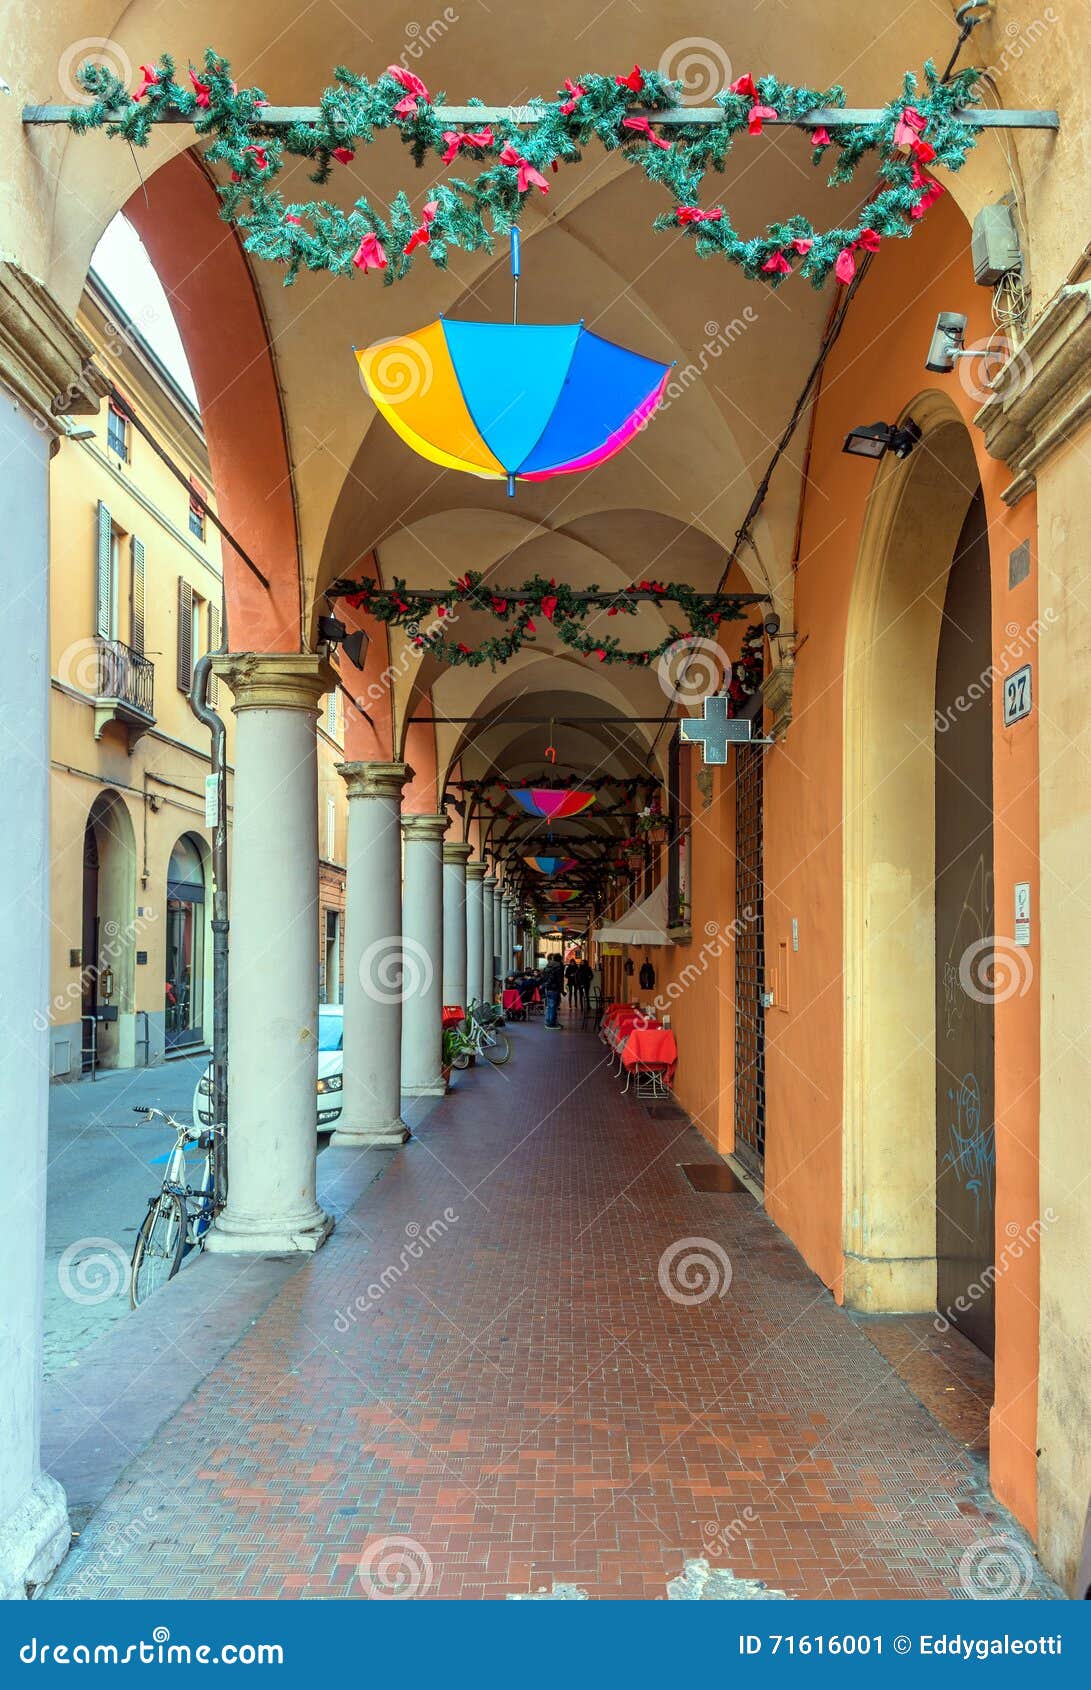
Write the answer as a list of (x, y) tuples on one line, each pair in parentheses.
[(873, 440)]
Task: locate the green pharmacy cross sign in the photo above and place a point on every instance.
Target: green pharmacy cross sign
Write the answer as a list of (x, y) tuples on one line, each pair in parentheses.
[(715, 730)]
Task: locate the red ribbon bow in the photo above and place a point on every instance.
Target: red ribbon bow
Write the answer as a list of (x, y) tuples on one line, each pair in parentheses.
[(821, 138), (758, 115), (932, 191), (410, 82), (634, 80), (455, 139), (343, 155), (909, 127), (261, 157), (643, 127), (777, 265), (549, 605), (694, 214), (745, 85), (576, 92), (151, 77), (370, 254), (845, 268), (528, 176), (202, 91), (422, 234)]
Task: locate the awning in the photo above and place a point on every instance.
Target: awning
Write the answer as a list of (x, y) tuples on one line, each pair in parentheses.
[(641, 924)]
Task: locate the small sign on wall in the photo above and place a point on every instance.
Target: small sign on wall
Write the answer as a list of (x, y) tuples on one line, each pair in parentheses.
[(1018, 696), (1022, 912)]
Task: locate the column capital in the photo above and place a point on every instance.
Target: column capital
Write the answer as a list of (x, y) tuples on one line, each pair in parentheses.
[(1041, 397), (44, 358), (275, 680), (425, 827), (475, 870), (490, 882), (456, 851), (375, 780)]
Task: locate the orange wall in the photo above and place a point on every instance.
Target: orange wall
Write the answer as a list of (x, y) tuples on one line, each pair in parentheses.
[(875, 371)]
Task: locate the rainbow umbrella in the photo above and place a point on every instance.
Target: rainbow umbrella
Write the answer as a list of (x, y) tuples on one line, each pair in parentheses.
[(551, 865), (512, 401), (553, 802), (562, 894)]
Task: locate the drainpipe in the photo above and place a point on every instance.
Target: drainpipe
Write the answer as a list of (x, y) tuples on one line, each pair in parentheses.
[(198, 699)]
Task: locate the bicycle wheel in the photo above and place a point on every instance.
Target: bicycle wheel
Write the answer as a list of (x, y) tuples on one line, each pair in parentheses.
[(461, 1059), (157, 1254), (499, 1051)]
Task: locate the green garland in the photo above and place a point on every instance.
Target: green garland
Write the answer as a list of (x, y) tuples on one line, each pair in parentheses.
[(563, 607), (319, 235)]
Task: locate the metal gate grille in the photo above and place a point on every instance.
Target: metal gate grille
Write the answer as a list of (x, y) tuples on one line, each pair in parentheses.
[(749, 959)]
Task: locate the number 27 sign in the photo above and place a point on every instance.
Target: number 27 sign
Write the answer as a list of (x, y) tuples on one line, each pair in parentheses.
[(1017, 695)]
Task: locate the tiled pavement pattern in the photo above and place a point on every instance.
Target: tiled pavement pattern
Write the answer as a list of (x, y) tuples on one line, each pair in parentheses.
[(528, 1406)]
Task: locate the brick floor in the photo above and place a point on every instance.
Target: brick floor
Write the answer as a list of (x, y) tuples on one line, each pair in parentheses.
[(524, 1403)]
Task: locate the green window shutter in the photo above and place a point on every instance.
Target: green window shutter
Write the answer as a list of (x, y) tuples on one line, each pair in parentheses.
[(185, 635), (104, 574), (136, 596), (213, 644)]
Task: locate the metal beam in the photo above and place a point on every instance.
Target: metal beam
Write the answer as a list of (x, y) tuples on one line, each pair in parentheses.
[(680, 117)]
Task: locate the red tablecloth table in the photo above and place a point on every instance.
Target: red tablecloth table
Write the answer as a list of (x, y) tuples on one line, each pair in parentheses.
[(651, 1049), (511, 999)]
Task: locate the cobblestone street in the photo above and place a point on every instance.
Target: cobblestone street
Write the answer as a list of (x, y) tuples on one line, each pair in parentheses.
[(500, 1375)]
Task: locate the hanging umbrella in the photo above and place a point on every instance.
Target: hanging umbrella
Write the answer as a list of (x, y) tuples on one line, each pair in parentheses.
[(552, 802), (551, 865), (512, 401), (562, 894)]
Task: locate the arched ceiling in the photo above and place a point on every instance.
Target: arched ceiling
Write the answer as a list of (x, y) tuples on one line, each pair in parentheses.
[(670, 504)]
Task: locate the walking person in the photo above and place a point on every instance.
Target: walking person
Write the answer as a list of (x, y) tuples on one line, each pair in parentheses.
[(552, 986), (572, 982)]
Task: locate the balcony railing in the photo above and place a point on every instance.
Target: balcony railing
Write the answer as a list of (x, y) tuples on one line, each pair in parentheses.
[(126, 677)]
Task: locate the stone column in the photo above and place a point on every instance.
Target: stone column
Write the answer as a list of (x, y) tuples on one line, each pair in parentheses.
[(371, 1099), (422, 956), (273, 983), (455, 857), (488, 937), (46, 369), (498, 926), (475, 929)]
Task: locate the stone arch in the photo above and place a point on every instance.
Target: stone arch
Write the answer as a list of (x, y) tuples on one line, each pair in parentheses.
[(914, 516)]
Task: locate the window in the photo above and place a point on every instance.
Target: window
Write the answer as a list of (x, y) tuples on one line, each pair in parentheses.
[(331, 714), (190, 643), (331, 830), (107, 574), (117, 434), (196, 509)]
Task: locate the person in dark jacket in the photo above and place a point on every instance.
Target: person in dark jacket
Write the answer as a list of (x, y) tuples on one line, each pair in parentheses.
[(552, 987)]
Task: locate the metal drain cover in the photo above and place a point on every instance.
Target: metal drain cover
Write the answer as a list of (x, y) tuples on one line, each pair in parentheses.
[(711, 1176)]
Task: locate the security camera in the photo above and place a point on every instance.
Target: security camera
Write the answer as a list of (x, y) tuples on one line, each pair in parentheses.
[(947, 342)]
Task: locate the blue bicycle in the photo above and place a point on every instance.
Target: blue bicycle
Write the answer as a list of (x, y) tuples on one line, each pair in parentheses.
[(179, 1215)]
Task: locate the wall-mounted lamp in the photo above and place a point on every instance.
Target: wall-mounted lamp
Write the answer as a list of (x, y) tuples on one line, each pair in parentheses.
[(874, 440), (332, 631)]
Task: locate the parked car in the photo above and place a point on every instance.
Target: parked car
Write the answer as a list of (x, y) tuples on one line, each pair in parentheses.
[(330, 1068)]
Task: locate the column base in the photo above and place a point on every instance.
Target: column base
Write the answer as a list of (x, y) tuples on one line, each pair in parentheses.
[(33, 1540), (431, 1088), (378, 1137), (231, 1235)]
